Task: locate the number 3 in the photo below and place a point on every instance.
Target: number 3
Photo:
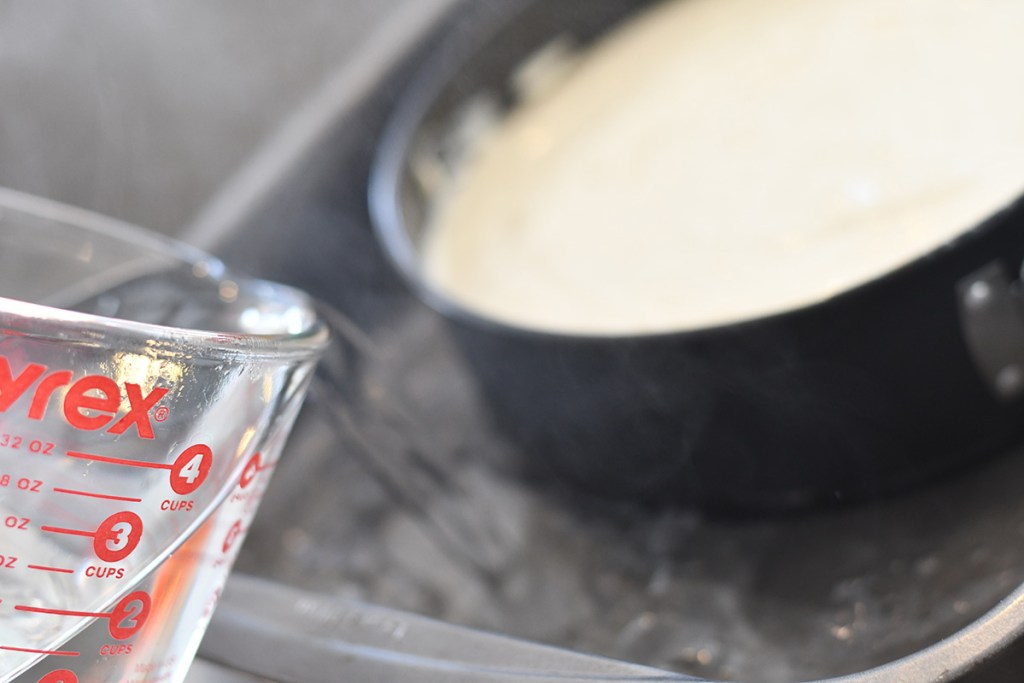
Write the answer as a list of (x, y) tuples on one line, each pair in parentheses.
[(117, 537)]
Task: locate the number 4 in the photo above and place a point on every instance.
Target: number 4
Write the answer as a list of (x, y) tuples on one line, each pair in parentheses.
[(189, 471)]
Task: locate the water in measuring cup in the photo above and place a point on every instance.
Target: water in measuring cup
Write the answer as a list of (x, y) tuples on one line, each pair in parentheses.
[(116, 540), (145, 393), (115, 645)]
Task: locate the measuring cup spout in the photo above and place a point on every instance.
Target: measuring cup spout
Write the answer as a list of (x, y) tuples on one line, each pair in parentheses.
[(139, 424)]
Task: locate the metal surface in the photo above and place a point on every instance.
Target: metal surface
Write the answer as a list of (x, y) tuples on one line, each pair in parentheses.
[(298, 636), (993, 325), (294, 636)]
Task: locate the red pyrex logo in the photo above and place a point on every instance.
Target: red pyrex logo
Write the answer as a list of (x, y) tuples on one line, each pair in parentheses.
[(96, 393)]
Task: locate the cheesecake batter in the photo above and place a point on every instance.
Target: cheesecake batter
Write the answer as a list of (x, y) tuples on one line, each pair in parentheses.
[(715, 160)]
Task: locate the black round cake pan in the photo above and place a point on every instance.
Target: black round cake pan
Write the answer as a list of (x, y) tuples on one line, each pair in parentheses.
[(906, 377)]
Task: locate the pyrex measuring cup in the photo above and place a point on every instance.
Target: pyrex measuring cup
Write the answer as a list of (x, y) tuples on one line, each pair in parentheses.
[(145, 393)]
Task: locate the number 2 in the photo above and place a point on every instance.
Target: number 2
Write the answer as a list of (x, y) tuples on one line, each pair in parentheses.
[(129, 615)]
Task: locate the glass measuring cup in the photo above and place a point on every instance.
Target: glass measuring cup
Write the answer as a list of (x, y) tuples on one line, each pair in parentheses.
[(145, 395)]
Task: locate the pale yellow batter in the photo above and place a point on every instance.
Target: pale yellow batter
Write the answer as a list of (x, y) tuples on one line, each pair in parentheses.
[(721, 159)]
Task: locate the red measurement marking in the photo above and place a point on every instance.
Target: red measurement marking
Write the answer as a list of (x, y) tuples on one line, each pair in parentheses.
[(119, 461), (102, 496), (51, 569), (232, 536), (250, 471), (56, 653), (115, 539), (61, 676), (70, 532), (129, 615), (125, 620), (117, 536), (252, 468), (190, 469)]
